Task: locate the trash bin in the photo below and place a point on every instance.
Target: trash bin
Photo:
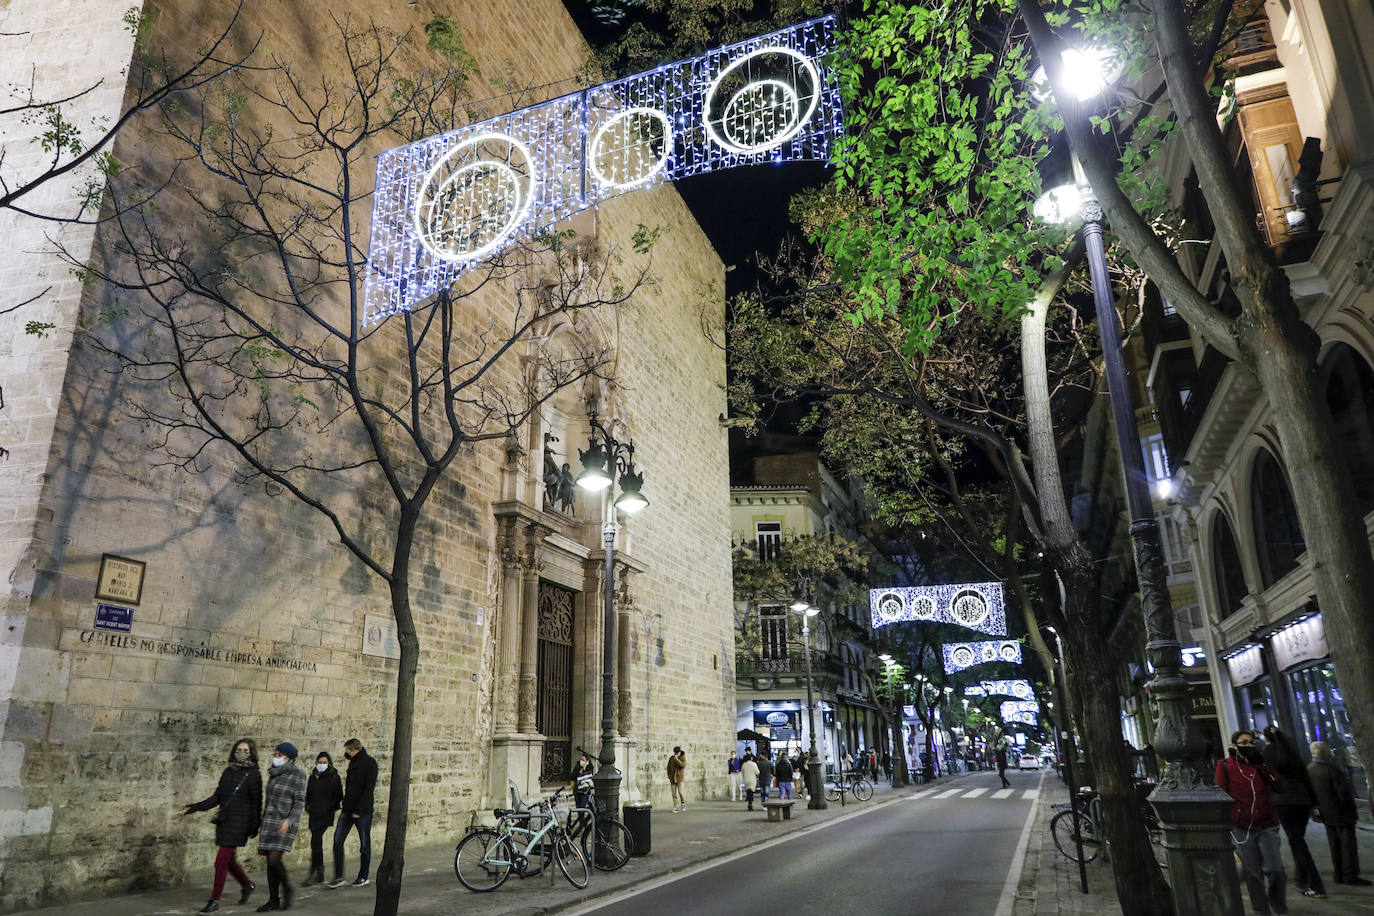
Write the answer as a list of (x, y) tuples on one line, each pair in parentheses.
[(636, 818)]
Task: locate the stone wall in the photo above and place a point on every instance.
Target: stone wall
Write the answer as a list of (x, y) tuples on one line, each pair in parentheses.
[(252, 617)]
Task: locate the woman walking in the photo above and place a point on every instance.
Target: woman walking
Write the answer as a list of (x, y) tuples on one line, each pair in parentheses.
[(1245, 777), (239, 800), (582, 782), (281, 818), (323, 794)]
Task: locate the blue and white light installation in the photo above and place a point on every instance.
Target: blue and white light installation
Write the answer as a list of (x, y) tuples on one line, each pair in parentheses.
[(961, 655), (1025, 711), (446, 203), (1019, 688), (976, 605)]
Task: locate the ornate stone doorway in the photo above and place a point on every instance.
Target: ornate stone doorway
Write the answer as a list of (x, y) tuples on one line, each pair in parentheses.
[(554, 715)]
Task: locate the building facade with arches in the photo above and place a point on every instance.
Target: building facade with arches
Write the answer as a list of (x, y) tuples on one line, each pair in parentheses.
[(1300, 128)]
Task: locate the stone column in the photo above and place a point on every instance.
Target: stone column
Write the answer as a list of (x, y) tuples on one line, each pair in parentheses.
[(529, 631), (508, 627)]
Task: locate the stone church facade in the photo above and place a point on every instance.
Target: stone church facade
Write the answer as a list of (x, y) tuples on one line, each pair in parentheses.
[(249, 619)]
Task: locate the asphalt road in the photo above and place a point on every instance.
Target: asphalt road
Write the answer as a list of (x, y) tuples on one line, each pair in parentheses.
[(940, 852)]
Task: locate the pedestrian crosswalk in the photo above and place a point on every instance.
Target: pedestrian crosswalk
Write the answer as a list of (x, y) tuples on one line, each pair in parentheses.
[(961, 792)]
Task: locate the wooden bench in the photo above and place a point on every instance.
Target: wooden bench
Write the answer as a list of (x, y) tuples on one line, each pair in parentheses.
[(779, 809)]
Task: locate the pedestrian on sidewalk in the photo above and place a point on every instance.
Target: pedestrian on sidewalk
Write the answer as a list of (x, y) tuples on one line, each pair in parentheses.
[(765, 777), (1294, 807), (238, 796), (1245, 777), (783, 769), (1002, 765), (749, 775), (359, 797), (677, 767), (582, 782), (1336, 803), (732, 766), (281, 818), (323, 795)]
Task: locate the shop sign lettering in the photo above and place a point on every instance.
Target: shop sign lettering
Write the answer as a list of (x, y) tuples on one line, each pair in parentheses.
[(1246, 666), (1304, 641)]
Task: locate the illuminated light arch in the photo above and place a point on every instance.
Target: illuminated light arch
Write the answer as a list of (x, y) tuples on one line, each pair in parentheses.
[(622, 120), (461, 202), (974, 605), (431, 222), (958, 656)]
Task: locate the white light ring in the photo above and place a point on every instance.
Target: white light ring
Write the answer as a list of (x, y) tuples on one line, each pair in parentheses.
[(792, 99), (521, 211), (662, 163), (502, 170), (806, 64)]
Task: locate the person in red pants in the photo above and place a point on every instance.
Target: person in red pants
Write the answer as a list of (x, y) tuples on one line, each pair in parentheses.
[(238, 798)]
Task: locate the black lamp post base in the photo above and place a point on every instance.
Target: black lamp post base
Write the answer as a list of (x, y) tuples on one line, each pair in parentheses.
[(815, 781)]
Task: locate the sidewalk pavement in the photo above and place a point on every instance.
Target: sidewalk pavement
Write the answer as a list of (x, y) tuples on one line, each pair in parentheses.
[(1049, 884), (705, 831)]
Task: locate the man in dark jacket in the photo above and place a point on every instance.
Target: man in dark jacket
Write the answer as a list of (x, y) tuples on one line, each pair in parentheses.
[(356, 812), (765, 776), (1294, 807), (1245, 777), (1336, 802)]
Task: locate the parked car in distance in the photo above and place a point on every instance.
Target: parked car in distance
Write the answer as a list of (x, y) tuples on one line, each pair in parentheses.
[(1028, 762)]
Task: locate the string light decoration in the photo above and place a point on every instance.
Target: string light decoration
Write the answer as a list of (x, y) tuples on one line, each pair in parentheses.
[(447, 203), (1026, 711), (961, 655), (975, 605), (1021, 689)]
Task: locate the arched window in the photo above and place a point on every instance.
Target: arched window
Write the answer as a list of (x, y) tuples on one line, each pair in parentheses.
[(1278, 536), (1350, 395), (1226, 568)]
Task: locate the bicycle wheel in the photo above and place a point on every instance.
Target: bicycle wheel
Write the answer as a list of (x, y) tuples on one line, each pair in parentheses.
[(482, 860), (570, 861), (1064, 825), (607, 846), (832, 792), (863, 790)]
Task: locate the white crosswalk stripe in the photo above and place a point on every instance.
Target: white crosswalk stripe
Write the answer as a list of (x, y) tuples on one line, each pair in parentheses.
[(949, 793), (974, 793), (1031, 793), (1003, 793)]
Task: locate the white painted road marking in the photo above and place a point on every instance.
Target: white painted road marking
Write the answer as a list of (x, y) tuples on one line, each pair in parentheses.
[(1003, 793), (974, 793)]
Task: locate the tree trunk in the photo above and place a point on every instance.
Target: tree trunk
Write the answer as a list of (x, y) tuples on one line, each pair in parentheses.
[(1140, 887), (392, 866)]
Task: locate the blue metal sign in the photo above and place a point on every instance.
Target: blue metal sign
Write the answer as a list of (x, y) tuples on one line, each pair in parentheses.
[(114, 617)]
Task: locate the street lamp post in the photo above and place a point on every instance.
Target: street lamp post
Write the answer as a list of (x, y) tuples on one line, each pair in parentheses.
[(815, 781), (606, 463), (892, 670), (1192, 811)]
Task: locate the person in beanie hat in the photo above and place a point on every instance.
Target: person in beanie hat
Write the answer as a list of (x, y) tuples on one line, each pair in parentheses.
[(281, 818)]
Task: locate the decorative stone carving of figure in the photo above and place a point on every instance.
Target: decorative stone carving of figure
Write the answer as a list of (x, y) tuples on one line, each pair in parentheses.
[(567, 491), (552, 477)]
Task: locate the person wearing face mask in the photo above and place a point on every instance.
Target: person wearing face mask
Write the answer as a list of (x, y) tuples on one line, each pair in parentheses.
[(239, 800), (1245, 777), (281, 818), (323, 794)]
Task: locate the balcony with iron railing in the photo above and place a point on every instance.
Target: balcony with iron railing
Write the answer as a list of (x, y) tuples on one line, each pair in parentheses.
[(748, 665)]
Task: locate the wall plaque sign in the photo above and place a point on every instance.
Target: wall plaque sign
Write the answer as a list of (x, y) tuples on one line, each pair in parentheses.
[(379, 637), (120, 579)]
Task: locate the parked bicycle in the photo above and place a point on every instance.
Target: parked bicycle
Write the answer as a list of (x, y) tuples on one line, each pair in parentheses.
[(487, 855), (853, 782), (1084, 817), (606, 842)]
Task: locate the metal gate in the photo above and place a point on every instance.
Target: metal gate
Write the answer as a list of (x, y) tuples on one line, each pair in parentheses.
[(554, 716)]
